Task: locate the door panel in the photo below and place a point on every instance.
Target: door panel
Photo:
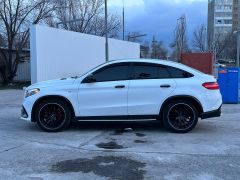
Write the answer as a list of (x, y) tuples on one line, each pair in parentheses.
[(151, 84), (107, 96), (103, 98), (145, 96)]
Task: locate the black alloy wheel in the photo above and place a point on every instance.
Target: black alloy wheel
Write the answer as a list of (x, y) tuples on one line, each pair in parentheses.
[(53, 115), (180, 116)]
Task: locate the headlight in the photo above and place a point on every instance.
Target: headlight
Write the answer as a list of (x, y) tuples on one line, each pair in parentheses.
[(31, 92)]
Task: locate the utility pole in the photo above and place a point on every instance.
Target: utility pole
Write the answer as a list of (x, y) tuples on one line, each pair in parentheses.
[(204, 48), (238, 46), (106, 33)]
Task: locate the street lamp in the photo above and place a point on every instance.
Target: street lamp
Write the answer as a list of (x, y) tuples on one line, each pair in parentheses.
[(238, 46), (136, 36), (106, 29), (106, 33)]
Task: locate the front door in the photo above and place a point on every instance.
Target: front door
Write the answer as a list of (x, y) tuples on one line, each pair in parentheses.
[(108, 95)]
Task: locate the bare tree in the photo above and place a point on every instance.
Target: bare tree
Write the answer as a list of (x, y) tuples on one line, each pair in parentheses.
[(85, 16), (199, 38), (15, 18), (224, 46), (158, 51), (2, 41), (180, 44)]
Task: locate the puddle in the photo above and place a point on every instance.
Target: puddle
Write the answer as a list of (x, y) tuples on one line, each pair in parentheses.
[(111, 167), (110, 145), (140, 141), (140, 134)]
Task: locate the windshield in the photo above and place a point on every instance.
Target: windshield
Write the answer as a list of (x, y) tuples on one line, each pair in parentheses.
[(92, 69)]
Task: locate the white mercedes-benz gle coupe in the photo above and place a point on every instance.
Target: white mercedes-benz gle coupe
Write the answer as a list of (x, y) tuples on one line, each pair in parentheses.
[(126, 90)]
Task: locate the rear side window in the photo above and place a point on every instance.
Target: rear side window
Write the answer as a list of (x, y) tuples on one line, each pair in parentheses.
[(150, 71), (163, 73), (145, 72), (178, 73)]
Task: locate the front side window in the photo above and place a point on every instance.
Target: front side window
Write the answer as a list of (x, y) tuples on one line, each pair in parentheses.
[(112, 73)]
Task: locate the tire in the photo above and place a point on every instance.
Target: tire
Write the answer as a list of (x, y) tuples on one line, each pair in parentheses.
[(180, 116), (53, 115)]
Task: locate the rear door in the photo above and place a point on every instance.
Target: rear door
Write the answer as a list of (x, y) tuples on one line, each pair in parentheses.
[(150, 85)]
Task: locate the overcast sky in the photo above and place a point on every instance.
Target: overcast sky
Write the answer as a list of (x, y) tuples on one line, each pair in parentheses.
[(159, 17)]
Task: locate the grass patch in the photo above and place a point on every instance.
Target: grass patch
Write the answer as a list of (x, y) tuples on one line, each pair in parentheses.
[(15, 85)]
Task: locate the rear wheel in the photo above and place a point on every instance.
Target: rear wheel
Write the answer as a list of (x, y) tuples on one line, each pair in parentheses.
[(180, 116), (53, 115)]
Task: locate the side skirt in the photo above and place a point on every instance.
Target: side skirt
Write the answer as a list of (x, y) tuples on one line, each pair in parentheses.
[(118, 118)]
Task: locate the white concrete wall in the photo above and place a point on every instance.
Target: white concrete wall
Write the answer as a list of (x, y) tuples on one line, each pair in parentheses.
[(59, 53)]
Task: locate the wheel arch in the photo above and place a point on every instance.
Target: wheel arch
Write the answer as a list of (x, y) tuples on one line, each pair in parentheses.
[(192, 99), (62, 98)]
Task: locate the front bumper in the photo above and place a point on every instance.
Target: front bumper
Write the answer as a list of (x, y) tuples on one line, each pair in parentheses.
[(24, 113), (212, 114), (27, 106)]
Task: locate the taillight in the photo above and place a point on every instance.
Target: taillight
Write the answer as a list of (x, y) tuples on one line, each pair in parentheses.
[(211, 85)]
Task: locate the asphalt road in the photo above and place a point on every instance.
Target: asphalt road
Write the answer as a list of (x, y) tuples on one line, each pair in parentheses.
[(107, 151)]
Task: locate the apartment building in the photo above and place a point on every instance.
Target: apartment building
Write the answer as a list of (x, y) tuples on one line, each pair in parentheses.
[(236, 15), (220, 19)]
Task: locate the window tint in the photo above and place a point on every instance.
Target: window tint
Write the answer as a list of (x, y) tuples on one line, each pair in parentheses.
[(112, 73), (163, 73), (145, 72), (150, 72), (177, 73)]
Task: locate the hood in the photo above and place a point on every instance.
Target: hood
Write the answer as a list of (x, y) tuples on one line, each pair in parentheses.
[(55, 82)]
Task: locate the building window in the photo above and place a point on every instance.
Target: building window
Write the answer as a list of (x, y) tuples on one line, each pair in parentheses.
[(227, 21)]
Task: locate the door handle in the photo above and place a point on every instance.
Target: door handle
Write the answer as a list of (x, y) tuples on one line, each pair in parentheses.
[(119, 86), (165, 86)]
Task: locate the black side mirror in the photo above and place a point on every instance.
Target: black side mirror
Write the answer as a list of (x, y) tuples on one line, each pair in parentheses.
[(89, 79)]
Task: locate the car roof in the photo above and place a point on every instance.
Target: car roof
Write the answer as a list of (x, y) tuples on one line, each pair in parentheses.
[(155, 61), (161, 62)]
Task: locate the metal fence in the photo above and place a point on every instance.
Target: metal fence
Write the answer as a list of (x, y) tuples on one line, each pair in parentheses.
[(23, 72)]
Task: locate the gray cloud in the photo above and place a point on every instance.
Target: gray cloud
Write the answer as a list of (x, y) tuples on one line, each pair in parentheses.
[(159, 18)]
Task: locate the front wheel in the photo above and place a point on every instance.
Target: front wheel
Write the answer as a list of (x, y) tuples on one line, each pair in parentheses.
[(53, 115), (180, 116)]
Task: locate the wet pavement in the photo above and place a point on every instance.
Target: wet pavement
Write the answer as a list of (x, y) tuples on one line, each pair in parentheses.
[(117, 150)]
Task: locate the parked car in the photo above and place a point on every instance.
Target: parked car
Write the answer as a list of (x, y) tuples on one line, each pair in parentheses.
[(218, 65), (140, 89)]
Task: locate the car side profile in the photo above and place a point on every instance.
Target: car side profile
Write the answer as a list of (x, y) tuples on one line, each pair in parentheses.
[(123, 90)]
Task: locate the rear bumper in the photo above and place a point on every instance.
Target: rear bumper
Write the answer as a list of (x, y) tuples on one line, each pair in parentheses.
[(212, 114)]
